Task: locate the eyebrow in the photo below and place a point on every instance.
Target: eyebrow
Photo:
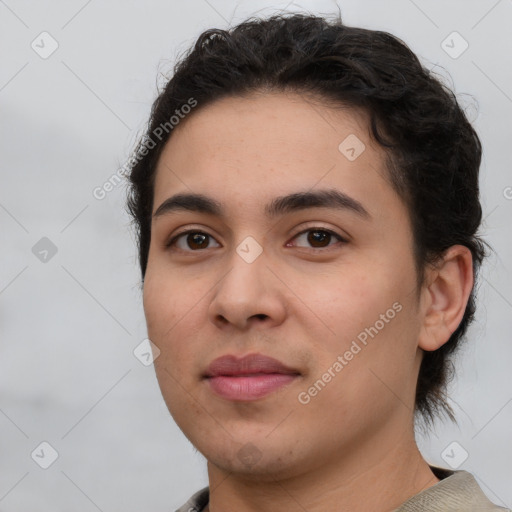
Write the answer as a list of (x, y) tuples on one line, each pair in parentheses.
[(326, 198)]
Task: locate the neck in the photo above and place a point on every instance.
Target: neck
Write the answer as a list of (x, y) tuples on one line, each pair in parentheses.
[(379, 478)]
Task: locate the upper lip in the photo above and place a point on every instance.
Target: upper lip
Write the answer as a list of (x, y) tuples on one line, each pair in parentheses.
[(230, 365)]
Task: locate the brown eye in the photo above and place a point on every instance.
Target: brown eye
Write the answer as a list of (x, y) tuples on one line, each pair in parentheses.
[(319, 238), (191, 241), (197, 240)]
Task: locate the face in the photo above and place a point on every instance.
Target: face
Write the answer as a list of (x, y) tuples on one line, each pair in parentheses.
[(323, 284)]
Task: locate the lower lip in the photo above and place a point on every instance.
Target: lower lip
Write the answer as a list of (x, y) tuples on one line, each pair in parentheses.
[(249, 388)]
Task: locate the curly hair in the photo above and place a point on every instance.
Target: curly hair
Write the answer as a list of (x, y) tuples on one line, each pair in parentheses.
[(433, 152)]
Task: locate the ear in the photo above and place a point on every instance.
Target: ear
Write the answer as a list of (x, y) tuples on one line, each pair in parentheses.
[(445, 296)]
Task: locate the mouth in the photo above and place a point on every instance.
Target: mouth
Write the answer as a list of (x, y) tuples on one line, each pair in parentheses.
[(250, 378)]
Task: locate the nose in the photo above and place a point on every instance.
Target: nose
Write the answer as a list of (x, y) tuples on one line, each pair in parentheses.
[(248, 294)]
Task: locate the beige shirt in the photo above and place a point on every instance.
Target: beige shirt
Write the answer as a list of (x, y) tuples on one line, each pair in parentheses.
[(458, 491)]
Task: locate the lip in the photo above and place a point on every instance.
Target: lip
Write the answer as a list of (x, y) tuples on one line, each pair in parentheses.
[(248, 378)]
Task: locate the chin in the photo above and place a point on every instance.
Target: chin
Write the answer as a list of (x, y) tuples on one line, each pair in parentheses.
[(257, 458), (267, 469)]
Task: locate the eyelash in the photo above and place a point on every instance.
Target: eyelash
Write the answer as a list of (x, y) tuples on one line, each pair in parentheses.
[(173, 240)]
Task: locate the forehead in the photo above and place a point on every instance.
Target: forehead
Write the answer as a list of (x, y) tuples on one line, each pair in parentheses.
[(243, 123), (270, 144)]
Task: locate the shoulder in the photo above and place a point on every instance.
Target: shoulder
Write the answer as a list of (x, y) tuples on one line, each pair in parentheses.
[(196, 502), (457, 491)]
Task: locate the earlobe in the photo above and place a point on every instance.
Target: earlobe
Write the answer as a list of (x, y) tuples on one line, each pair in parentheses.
[(445, 297)]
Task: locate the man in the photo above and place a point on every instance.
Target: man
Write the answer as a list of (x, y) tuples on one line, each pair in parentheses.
[(306, 202)]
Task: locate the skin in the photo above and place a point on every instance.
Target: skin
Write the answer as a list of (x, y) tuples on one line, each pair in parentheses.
[(352, 446)]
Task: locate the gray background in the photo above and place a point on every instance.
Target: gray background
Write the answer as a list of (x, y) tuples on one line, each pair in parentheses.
[(69, 325)]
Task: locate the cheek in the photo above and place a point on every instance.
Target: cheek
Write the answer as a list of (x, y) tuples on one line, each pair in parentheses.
[(346, 301), (173, 310), (372, 325), (166, 300)]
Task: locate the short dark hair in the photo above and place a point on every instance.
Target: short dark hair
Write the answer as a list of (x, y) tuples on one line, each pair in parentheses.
[(433, 152)]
